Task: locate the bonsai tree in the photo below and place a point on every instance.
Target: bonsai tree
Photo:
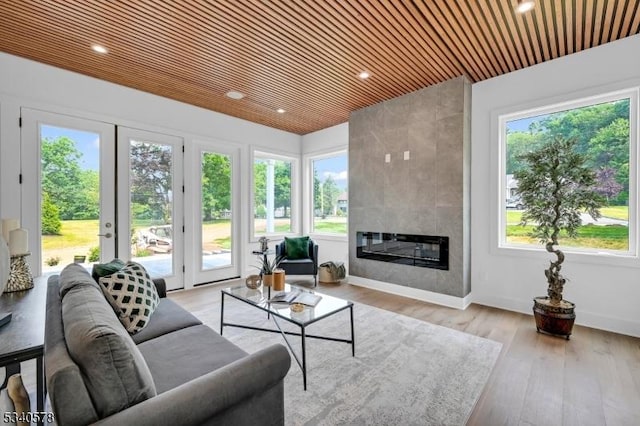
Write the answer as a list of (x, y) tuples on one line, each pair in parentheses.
[(556, 186)]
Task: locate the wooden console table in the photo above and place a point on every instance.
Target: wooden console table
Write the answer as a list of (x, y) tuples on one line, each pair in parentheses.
[(22, 339)]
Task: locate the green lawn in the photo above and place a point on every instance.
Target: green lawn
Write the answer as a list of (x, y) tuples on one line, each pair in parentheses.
[(74, 233), (610, 237), (224, 242), (331, 225), (615, 212), (612, 212)]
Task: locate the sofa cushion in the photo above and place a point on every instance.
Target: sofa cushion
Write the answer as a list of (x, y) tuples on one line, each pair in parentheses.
[(198, 350), (132, 294), (115, 373), (100, 270), (297, 247), (72, 275), (63, 373), (167, 317)]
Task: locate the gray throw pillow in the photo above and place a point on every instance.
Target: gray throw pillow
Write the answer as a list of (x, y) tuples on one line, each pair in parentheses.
[(115, 373), (132, 294), (73, 275)]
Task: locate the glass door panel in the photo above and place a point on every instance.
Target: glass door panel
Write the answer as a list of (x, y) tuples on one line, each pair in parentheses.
[(217, 217), (215, 214), (70, 203), (152, 203)]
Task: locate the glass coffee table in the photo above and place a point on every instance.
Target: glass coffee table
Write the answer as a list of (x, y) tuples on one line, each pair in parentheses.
[(259, 298)]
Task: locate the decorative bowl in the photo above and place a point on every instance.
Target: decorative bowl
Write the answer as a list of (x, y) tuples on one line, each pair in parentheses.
[(253, 281)]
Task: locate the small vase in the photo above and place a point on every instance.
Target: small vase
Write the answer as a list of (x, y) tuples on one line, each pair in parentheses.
[(278, 279)]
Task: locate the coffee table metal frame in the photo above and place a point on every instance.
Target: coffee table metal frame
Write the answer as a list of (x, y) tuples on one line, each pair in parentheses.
[(274, 313)]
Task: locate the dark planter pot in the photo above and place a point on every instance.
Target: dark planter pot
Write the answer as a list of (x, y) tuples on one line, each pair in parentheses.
[(556, 320)]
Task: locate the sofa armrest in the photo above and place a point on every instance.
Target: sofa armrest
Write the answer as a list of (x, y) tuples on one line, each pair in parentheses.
[(198, 400), (161, 287)]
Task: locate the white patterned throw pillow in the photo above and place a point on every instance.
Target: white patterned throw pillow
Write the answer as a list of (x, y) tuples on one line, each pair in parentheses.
[(132, 294)]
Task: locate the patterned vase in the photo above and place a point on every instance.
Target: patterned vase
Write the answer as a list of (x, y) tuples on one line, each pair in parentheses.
[(20, 277)]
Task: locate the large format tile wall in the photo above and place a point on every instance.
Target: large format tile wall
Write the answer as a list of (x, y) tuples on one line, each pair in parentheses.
[(427, 194)]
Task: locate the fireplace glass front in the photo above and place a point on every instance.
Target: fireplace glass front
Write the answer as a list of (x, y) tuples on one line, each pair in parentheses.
[(408, 249)]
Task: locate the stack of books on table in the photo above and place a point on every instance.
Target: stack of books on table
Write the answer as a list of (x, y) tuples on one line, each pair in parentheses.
[(296, 296)]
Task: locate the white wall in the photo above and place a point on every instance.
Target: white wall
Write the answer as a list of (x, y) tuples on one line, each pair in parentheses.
[(331, 139), (606, 290), (25, 83)]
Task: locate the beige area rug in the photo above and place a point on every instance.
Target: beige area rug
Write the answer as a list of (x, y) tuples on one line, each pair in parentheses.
[(405, 372)]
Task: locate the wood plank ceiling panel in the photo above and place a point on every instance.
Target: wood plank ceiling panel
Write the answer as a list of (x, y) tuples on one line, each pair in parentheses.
[(303, 55)]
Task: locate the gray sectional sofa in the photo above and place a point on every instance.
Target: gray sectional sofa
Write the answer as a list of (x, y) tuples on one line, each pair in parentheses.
[(175, 371)]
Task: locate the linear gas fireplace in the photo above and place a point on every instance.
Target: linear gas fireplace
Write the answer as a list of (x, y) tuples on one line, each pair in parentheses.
[(417, 250)]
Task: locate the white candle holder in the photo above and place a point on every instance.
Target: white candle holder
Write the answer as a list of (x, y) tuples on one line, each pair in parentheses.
[(20, 277)]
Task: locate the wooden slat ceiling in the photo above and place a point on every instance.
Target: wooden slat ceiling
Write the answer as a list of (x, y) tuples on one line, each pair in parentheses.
[(303, 55)]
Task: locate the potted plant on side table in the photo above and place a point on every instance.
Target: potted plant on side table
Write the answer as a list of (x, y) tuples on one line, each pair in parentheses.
[(556, 187), (266, 267)]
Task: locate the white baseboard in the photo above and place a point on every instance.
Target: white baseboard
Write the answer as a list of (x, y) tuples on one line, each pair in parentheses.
[(587, 319), (414, 293)]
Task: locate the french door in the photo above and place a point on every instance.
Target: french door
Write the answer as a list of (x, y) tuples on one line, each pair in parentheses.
[(150, 202), (77, 209), (216, 181), (68, 190)]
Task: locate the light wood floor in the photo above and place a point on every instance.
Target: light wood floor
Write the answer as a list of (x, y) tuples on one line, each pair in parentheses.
[(592, 379)]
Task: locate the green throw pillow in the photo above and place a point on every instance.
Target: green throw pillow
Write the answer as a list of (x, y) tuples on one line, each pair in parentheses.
[(296, 248), (104, 269)]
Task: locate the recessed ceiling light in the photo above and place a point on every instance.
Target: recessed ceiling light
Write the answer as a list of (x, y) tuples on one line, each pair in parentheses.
[(364, 75), (281, 111), (235, 95), (99, 49), (525, 6)]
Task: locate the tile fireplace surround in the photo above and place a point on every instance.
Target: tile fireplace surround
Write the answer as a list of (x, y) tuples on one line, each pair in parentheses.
[(409, 169)]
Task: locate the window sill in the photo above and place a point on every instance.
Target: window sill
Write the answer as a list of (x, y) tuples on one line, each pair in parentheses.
[(593, 258), (328, 237), (273, 237)]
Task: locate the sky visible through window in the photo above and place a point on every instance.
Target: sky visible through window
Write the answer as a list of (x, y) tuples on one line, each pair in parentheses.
[(522, 124), (336, 167), (88, 143)]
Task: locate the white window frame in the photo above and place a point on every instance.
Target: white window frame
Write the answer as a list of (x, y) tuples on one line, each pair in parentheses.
[(295, 198), (633, 95), (308, 183)]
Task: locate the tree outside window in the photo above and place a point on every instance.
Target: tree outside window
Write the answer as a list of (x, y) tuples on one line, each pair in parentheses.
[(330, 194), (602, 131), (272, 195)]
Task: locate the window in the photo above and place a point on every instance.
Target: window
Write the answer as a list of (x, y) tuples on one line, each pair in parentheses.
[(605, 130), (330, 194), (272, 194)]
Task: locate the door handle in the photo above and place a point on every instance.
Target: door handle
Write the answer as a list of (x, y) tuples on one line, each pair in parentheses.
[(107, 235)]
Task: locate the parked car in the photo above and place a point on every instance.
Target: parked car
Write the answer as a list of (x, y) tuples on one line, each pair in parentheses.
[(514, 203), (157, 238)]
